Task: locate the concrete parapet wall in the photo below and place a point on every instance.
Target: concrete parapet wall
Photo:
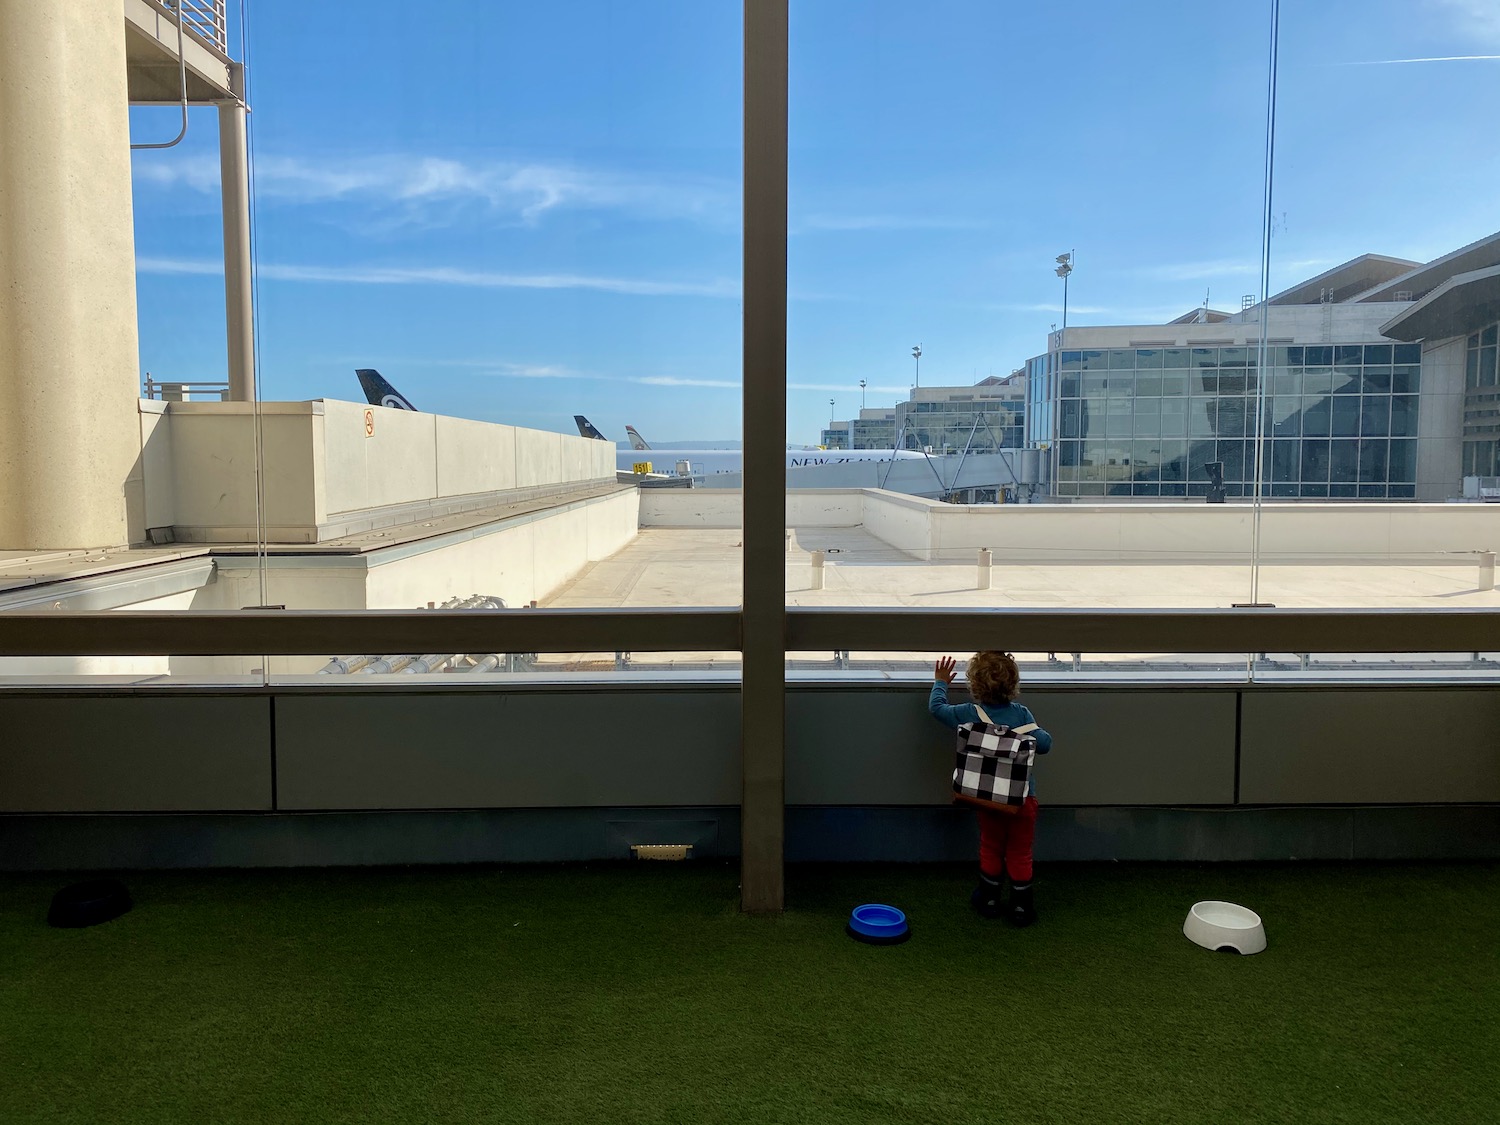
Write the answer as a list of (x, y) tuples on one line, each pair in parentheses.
[(326, 469), (212, 489), (1114, 533), (905, 522), (520, 559), (692, 507), (1354, 532), (474, 456), (397, 463), (724, 508)]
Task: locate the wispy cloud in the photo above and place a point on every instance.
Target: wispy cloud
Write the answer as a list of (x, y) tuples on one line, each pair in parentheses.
[(1433, 59), (504, 369), (420, 188), (533, 371), (845, 388), (1193, 271), (882, 223), (1480, 18), (1082, 310), (515, 370), (675, 381), (446, 275), (1228, 267)]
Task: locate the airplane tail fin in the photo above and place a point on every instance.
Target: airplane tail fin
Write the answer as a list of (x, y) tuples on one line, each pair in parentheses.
[(587, 428), (378, 392), (636, 441)]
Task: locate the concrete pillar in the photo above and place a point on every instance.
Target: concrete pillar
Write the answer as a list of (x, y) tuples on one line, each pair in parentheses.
[(234, 181), (984, 568), (1486, 570), (763, 616), (69, 360), (817, 570)]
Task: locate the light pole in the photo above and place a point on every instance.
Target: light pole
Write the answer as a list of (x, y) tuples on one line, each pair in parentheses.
[(1064, 268), (916, 354), (861, 394), (830, 414)]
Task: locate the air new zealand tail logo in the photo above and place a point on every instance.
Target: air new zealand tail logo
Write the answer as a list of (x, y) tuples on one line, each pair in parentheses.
[(378, 392)]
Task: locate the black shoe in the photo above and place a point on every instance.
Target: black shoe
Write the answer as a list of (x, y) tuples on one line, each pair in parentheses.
[(1020, 911), (985, 898)]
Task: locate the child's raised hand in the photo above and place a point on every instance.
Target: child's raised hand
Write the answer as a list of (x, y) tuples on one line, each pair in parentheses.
[(942, 671)]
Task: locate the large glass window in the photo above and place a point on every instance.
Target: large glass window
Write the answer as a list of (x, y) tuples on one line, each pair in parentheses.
[(495, 327), (518, 259)]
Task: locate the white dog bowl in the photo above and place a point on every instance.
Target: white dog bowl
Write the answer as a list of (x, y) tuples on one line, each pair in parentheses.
[(1223, 925)]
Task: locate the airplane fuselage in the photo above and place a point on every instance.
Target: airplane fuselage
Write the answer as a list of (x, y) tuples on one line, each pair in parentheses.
[(710, 462)]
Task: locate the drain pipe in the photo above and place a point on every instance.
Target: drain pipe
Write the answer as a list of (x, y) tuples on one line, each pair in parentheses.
[(182, 74), (431, 662), (343, 665), (385, 665)]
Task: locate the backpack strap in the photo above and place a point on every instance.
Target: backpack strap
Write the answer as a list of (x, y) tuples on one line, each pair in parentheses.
[(1026, 729)]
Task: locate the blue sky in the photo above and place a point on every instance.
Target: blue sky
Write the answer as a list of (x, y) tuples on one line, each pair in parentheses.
[(520, 212)]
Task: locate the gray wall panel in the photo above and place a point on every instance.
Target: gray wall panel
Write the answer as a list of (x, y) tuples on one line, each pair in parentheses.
[(1141, 747), (127, 753), (872, 746), (516, 749), (865, 746), (1370, 746)]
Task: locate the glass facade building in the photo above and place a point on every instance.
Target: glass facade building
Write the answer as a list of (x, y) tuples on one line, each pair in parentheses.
[(874, 433), (836, 437), (1481, 404), (1340, 420), (982, 420)]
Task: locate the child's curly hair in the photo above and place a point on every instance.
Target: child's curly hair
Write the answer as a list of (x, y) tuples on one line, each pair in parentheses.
[(993, 677)]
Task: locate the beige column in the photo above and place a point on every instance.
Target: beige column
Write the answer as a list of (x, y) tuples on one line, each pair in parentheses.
[(69, 363), (234, 181)]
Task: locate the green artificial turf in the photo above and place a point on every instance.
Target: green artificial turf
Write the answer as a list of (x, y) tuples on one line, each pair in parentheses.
[(638, 993)]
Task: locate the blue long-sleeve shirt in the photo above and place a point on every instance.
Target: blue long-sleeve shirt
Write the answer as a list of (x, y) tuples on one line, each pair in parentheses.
[(1006, 714)]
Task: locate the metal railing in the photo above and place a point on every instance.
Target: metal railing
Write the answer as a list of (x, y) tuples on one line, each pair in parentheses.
[(206, 20), (179, 390)]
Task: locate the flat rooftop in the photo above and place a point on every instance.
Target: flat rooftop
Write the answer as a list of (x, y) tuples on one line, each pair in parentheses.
[(701, 567)]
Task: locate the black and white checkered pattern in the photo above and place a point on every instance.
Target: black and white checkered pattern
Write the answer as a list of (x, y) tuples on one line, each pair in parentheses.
[(993, 767)]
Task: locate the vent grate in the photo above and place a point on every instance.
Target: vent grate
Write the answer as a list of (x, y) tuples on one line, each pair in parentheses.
[(662, 851)]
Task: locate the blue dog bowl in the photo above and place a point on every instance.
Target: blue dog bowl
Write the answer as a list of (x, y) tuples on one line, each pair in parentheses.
[(877, 924)]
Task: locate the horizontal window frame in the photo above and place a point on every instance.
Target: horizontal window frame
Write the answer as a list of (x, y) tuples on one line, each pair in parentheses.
[(719, 629)]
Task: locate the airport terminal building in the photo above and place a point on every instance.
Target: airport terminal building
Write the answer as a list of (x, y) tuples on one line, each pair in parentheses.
[(1380, 385), (984, 417)]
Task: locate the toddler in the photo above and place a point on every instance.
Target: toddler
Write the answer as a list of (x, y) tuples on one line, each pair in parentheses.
[(1005, 838)]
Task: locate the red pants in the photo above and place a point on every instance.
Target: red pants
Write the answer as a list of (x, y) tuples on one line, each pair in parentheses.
[(1005, 841)]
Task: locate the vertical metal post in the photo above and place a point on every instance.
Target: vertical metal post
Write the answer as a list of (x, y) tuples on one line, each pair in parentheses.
[(235, 187), (763, 685)]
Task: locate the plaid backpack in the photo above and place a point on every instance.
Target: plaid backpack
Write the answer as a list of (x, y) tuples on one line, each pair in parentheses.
[(993, 768)]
